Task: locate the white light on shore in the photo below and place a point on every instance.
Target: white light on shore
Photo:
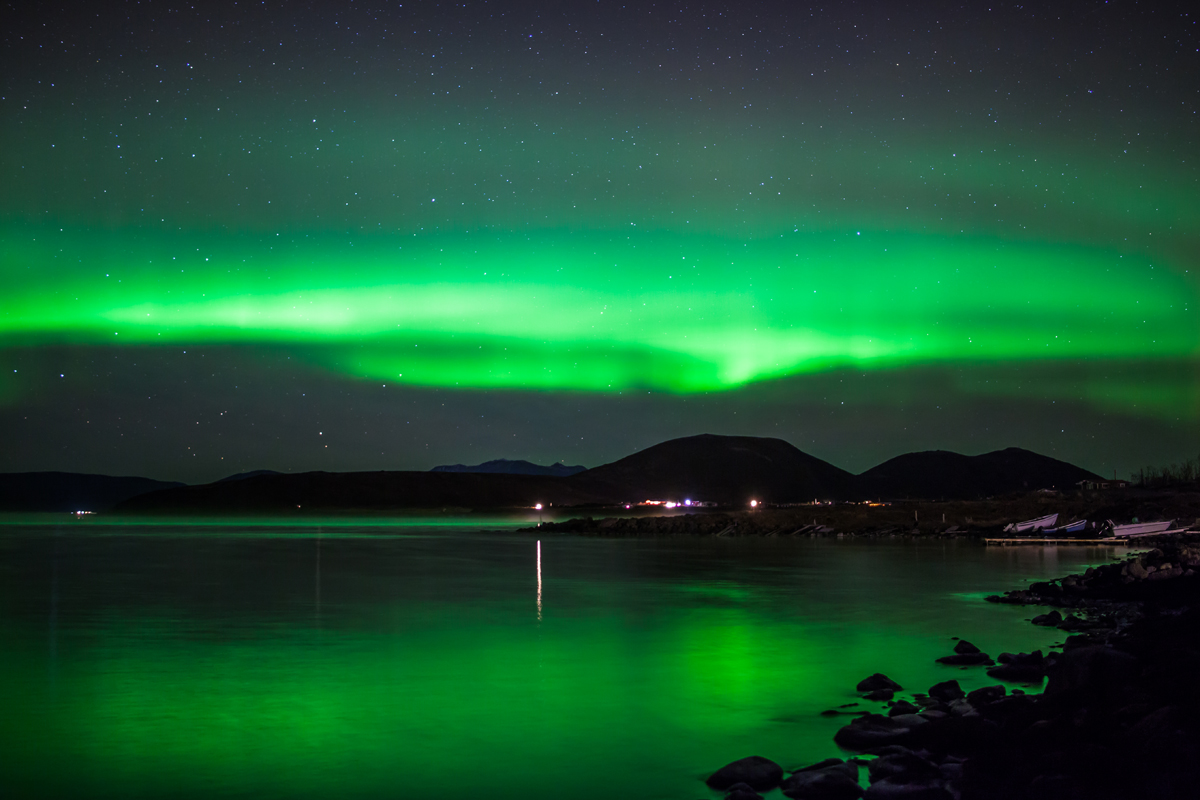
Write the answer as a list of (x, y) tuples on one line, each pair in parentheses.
[(753, 503)]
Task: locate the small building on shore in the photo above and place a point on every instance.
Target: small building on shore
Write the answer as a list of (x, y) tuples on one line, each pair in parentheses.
[(1093, 485)]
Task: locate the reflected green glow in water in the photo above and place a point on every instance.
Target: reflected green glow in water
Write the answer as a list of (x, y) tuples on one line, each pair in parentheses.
[(364, 666)]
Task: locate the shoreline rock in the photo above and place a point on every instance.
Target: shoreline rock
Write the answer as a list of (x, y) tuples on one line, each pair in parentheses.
[(1119, 717)]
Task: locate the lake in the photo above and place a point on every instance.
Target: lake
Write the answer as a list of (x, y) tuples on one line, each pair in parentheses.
[(410, 659)]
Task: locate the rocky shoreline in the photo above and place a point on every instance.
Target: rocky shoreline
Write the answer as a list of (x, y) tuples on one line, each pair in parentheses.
[(1119, 717)]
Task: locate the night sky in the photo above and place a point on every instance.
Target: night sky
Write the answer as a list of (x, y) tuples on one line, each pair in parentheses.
[(379, 236)]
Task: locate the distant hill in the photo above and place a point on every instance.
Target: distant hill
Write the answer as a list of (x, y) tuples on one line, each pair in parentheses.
[(936, 474), (729, 470), (725, 469), (70, 491), (254, 473), (502, 466), (366, 491)]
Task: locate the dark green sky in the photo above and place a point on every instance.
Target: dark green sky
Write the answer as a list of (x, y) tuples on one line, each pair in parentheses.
[(385, 237)]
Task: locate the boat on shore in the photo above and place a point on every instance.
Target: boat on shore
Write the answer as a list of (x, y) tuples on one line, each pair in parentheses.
[(1028, 525), (1071, 527), (1139, 528)]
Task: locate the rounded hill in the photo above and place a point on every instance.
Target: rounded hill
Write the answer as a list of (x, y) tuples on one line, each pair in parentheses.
[(724, 469)]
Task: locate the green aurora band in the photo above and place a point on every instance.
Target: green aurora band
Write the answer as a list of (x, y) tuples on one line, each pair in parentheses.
[(525, 216), (598, 311)]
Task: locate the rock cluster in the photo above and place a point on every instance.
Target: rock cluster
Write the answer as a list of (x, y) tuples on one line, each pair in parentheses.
[(831, 779), (1119, 718)]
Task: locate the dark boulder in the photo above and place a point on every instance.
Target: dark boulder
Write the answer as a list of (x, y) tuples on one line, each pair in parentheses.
[(1049, 620), (1022, 659), (902, 707), (742, 791), (823, 784), (985, 695), (1073, 623), (1020, 667), (903, 768), (878, 681), (830, 763), (967, 660), (1017, 674), (964, 648), (946, 691), (891, 790), (760, 774), (880, 695), (872, 731)]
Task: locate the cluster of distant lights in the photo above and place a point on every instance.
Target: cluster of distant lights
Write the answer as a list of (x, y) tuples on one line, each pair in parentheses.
[(677, 504)]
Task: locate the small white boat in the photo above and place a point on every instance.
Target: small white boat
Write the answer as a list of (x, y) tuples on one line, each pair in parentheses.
[(1140, 528), (1070, 527), (1047, 521)]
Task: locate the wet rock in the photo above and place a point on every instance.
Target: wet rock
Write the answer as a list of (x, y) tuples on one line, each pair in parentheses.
[(987, 694), (967, 660), (902, 707), (742, 791), (1045, 589), (880, 695), (963, 647), (1017, 674), (877, 681), (833, 763), (907, 767), (872, 731), (1052, 619), (960, 708), (1137, 570), (910, 720), (947, 691), (1020, 667), (891, 790), (1073, 623), (760, 774), (822, 784)]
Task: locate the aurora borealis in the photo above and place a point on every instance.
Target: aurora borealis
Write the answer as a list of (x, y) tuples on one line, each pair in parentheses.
[(318, 237)]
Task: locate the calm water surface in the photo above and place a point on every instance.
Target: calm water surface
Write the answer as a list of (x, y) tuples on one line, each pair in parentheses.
[(344, 661)]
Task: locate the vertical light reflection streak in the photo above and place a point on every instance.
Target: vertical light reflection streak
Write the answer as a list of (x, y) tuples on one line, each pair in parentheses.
[(539, 579)]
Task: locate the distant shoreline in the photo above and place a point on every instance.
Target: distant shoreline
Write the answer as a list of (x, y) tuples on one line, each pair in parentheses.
[(921, 518)]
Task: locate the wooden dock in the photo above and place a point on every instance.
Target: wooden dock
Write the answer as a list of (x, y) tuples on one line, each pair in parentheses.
[(1015, 541)]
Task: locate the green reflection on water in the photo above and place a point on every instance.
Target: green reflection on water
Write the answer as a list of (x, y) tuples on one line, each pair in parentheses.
[(365, 666)]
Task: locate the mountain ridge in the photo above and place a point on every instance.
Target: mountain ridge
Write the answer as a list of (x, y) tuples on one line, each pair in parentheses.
[(727, 470), (504, 466)]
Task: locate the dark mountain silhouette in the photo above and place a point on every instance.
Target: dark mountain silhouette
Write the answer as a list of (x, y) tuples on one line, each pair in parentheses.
[(936, 474), (724, 469), (70, 491), (502, 466), (367, 491), (254, 473), (729, 470)]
